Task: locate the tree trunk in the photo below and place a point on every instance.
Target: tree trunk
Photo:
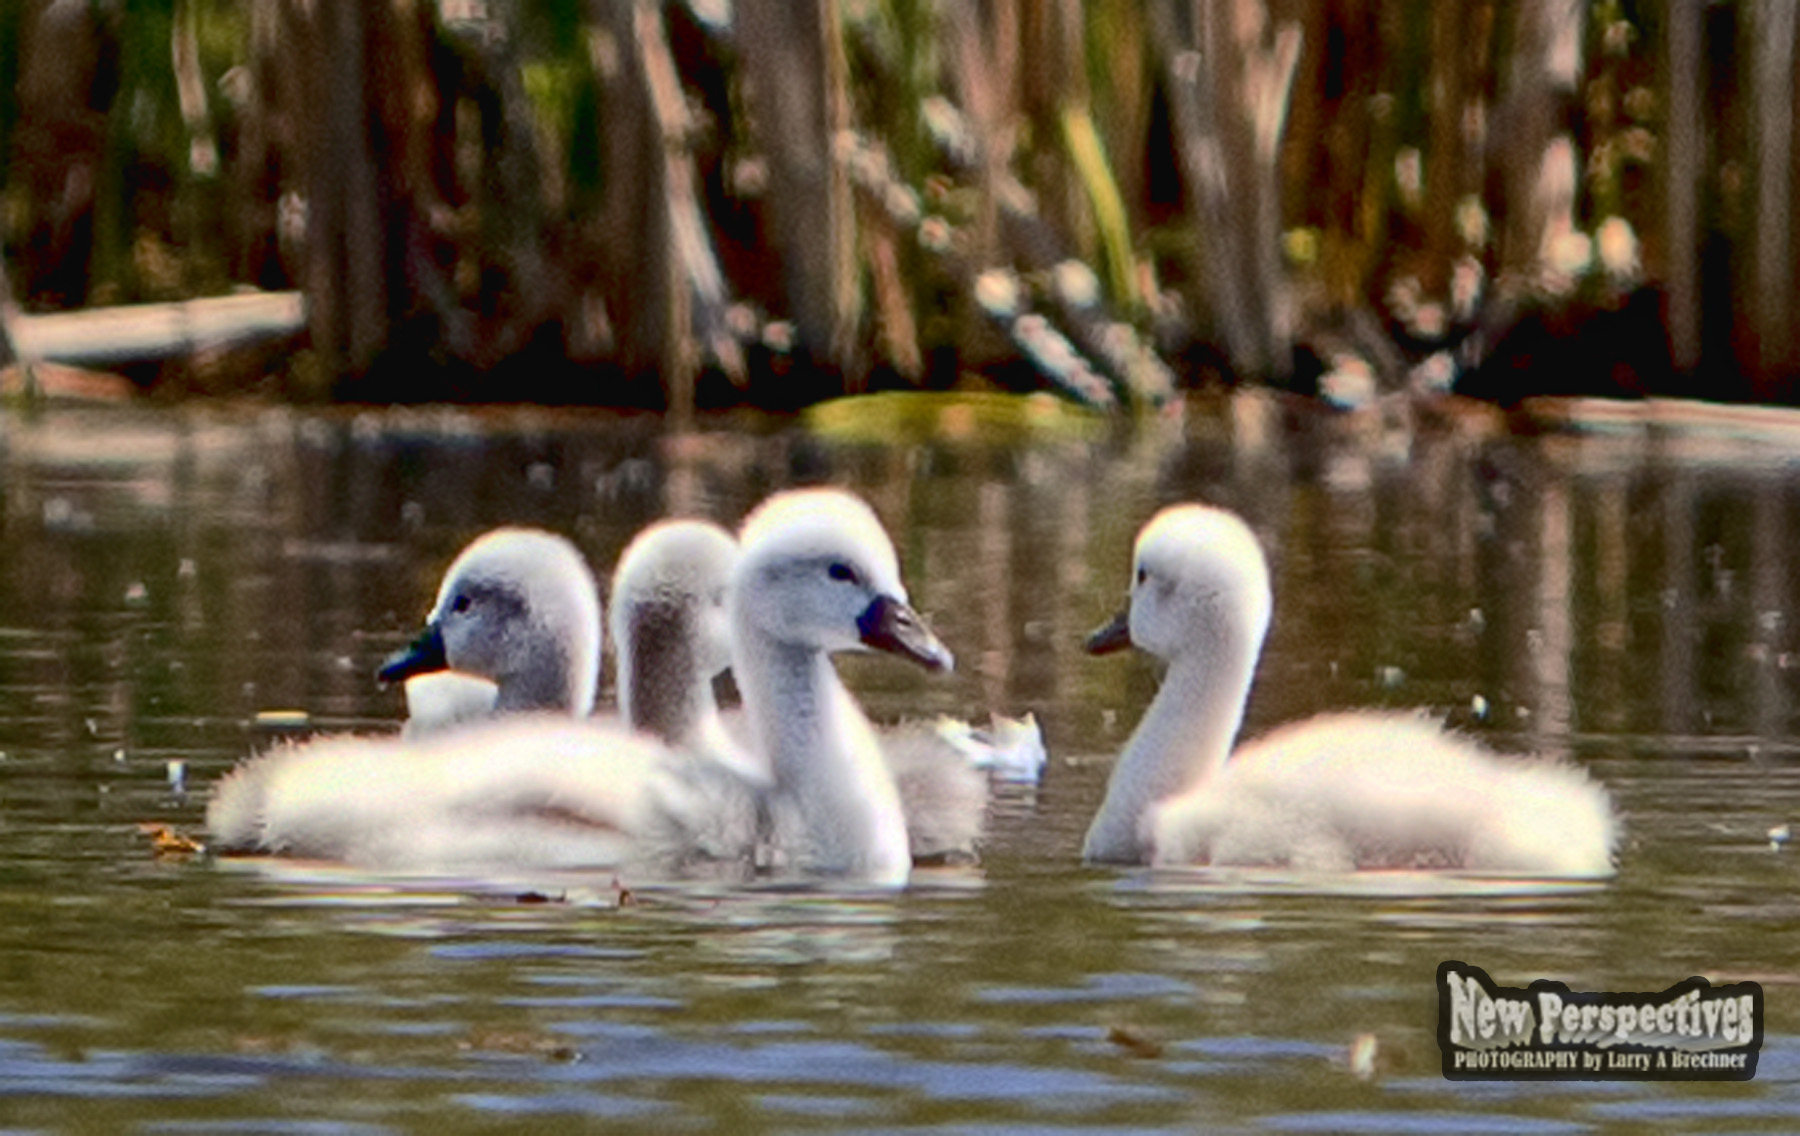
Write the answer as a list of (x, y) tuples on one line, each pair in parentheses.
[(797, 74), (1684, 89), (1771, 299), (1445, 174), (346, 221)]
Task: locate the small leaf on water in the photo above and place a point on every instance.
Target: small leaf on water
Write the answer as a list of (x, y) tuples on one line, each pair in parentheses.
[(1134, 1042), (167, 842)]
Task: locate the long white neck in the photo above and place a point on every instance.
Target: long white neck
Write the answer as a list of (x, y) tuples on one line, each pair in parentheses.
[(823, 756), (1183, 741)]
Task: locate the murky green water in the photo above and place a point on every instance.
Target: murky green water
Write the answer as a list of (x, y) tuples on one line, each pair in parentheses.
[(1627, 601)]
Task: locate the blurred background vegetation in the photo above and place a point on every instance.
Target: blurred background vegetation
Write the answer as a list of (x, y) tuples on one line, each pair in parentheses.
[(773, 201)]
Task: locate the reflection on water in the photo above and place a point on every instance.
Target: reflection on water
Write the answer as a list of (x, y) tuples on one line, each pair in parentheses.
[(1625, 600)]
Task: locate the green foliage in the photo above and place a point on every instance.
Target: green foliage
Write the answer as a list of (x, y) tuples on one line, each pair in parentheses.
[(559, 25), (562, 94), (1089, 156), (1066, 161), (894, 69), (143, 132), (584, 143), (954, 416)]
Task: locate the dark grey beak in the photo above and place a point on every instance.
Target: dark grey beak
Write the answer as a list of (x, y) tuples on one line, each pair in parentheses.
[(422, 656), (1115, 636), (890, 625)]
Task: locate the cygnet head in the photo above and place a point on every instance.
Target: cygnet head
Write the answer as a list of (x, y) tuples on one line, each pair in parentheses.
[(518, 607), (669, 619), (817, 571), (1199, 582)]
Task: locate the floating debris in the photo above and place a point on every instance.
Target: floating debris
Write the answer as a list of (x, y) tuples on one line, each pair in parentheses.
[(1135, 1042), (167, 843), (1779, 836), (525, 1043), (1012, 749)]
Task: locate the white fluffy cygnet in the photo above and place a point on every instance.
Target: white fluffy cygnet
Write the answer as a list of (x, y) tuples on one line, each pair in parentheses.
[(817, 574), (528, 791), (1335, 792), (672, 636), (671, 632), (482, 774), (515, 629)]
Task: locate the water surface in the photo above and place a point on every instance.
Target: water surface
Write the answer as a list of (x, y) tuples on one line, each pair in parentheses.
[(1625, 601)]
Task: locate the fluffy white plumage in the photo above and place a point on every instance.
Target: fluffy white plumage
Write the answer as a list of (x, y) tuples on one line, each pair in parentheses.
[(532, 791), (520, 792), (672, 636), (1336, 792), (443, 700)]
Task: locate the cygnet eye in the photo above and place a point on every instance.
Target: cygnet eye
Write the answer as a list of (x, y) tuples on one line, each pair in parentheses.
[(1143, 574), (460, 603), (841, 571)]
